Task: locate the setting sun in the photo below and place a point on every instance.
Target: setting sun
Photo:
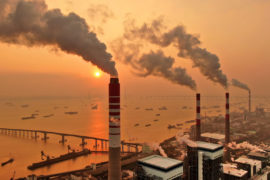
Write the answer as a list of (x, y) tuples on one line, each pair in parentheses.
[(97, 74)]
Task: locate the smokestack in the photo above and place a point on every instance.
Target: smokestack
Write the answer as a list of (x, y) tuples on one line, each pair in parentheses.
[(114, 130), (198, 116), (249, 101), (227, 120)]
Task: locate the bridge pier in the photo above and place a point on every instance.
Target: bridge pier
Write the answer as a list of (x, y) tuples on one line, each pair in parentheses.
[(122, 147), (63, 140), (137, 148), (96, 144), (36, 136), (128, 148), (45, 137), (83, 142)]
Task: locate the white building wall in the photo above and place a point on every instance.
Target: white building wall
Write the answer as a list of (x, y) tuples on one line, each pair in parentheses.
[(164, 175), (213, 155)]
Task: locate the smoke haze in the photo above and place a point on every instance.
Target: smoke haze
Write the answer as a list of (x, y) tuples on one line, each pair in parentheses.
[(100, 11), (188, 46), (30, 23), (154, 63), (239, 84)]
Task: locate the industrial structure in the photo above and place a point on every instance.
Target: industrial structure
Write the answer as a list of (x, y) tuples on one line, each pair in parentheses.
[(198, 117), (114, 170), (159, 167), (252, 166), (204, 160), (232, 173), (227, 119)]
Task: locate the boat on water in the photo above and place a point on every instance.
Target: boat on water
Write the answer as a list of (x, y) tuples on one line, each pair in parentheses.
[(171, 126), (148, 109), (7, 162), (147, 125), (71, 112), (29, 117), (64, 157), (190, 121), (47, 116)]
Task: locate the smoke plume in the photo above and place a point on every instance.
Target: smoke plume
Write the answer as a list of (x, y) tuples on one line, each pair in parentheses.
[(245, 145), (188, 46), (154, 63), (100, 11), (156, 146), (30, 23), (185, 139), (239, 84)]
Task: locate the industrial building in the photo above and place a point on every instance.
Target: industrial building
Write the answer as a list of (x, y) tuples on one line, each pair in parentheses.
[(251, 165), (159, 167), (204, 160), (213, 137), (232, 173), (264, 157)]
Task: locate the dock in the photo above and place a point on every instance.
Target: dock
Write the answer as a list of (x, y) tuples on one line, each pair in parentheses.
[(61, 158)]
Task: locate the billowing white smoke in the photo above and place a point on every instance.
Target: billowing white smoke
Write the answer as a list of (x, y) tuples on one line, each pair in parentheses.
[(239, 84), (30, 23), (156, 146), (188, 46), (154, 63), (245, 145), (185, 139)]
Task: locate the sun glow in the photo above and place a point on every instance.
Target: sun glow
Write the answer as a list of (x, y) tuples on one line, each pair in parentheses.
[(97, 74)]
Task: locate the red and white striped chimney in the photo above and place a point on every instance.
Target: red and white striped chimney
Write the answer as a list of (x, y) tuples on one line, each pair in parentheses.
[(198, 116), (114, 171), (227, 120)]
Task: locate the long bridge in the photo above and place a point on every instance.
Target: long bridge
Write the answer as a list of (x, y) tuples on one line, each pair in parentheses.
[(126, 147)]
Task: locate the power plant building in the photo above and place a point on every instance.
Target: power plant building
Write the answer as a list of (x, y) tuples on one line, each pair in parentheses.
[(231, 173), (261, 156), (251, 165), (213, 137), (159, 167), (204, 161)]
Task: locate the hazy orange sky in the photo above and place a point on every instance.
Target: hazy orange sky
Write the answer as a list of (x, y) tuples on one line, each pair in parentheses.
[(236, 30)]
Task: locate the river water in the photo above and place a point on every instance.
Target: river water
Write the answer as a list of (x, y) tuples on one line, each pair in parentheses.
[(91, 121)]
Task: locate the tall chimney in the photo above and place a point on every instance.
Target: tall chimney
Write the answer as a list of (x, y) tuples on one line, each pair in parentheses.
[(114, 130), (227, 120), (198, 116), (249, 101)]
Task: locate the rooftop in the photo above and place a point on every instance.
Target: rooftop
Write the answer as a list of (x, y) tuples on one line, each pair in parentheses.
[(246, 160), (214, 136), (259, 154), (233, 171), (160, 162), (208, 146)]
